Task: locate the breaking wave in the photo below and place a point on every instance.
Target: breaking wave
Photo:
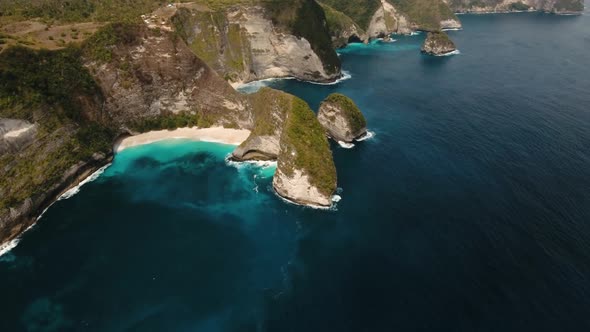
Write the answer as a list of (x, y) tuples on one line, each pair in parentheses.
[(74, 190), (455, 52), (346, 145)]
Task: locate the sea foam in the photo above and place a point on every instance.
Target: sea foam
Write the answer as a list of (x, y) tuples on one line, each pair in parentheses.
[(368, 135), (74, 190), (8, 246), (254, 86), (346, 145), (455, 52)]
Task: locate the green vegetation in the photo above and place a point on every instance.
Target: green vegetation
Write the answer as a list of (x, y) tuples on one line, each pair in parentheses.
[(351, 111), (305, 18), (224, 52), (305, 146), (338, 23), (79, 10), (99, 47), (360, 10), (520, 6), (54, 90), (426, 13), (569, 6), (269, 107)]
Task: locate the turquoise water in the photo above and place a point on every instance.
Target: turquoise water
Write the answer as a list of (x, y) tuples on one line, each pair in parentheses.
[(468, 210)]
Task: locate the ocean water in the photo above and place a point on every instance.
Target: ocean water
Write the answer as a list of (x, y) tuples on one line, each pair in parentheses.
[(469, 209)]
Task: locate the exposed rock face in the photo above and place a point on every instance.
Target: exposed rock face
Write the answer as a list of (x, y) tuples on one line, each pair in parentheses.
[(15, 134), (152, 74), (438, 43), (297, 188), (269, 108), (343, 29), (341, 118), (493, 6), (243, 43), (380, 18), (305, 172)]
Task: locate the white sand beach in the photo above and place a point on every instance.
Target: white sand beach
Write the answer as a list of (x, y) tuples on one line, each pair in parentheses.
[(214, 134)]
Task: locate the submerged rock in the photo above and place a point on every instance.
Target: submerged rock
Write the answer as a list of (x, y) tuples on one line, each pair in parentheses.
[(341, 118), (438, 43)]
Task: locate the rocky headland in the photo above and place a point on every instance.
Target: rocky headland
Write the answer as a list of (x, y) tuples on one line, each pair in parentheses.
[(73, 82), (437, 43), (342, 119)]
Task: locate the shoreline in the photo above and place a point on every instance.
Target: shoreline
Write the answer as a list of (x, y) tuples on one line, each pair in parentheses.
[(212, 134)]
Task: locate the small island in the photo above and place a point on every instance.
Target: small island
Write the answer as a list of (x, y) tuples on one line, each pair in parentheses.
[(438, 43), (342, 119)]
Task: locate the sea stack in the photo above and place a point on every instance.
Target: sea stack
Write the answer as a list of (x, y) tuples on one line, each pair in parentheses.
[(438, 43), (341, 118)]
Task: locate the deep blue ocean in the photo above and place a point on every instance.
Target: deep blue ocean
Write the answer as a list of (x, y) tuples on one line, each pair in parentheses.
[(469, 210)]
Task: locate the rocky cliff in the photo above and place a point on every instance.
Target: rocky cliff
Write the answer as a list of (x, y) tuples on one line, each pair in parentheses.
[(62, 110), (341, 118), (249, 41), (380, 18), (305, 173), (438, 43), (490, 6)]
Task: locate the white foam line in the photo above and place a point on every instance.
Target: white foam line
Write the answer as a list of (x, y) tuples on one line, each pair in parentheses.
[(256, 163), (265, 82), (455, 52), (315, 207), (8, 246), (74, 190), (452, 29), (346, 145), (368, 135)]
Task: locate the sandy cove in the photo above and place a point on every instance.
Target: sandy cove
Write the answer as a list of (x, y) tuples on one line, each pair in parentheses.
[(213, 134)]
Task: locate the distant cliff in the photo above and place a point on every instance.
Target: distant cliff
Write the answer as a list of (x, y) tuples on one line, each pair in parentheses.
[(368, 19), (486, 6)]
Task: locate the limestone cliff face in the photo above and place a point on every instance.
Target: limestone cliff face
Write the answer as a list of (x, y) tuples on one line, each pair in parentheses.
[(151, 74), (438, 43), (269, 108), (341, 118), (380, 18), (251, 41), (286, 130), (491, 6), (136, 78), (305, 172)]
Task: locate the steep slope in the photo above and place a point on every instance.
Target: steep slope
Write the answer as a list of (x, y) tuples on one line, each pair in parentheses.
[(550, 6), (250, 40), (61, 112), (382, 17)]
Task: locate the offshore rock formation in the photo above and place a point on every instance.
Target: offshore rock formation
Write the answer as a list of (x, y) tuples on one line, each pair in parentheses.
[(253, 41), (132, 78), (286, 130), (305, 172), (438, 43), (498, 6), (341, 118)]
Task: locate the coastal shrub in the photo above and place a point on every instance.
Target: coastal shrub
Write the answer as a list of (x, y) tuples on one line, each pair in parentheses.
[(99, 47), (307, 148), (351, 111), (360, 10), (520, 6), (305, 18)]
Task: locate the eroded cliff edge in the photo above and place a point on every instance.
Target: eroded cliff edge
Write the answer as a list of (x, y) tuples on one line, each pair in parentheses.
[(62, 110)]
